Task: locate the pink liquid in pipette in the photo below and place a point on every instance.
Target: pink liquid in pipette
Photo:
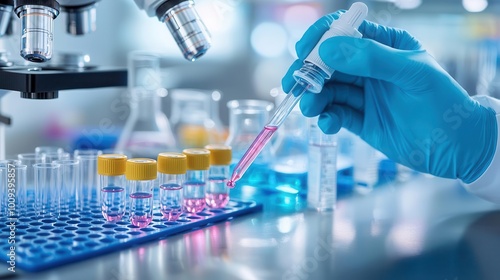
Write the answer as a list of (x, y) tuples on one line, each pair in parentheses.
[(258, 144)]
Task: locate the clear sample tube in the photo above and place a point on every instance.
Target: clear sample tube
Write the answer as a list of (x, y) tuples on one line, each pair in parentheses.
[(29, 159), (87, 152), (48, 150), (111, 170), (47, 182), (88, 179), (50, 157), (12, 188), (198, 163), (141, 174), (366, 161), (309, 78), (70, 184), (172, 169), (322, 174), (217, 191)]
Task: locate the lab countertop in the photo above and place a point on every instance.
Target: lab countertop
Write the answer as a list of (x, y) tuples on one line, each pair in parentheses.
[(426, 228)]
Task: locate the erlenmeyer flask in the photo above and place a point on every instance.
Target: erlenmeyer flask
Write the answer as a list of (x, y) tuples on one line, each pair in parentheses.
[(246, 120), (192, 120), (147, 130)]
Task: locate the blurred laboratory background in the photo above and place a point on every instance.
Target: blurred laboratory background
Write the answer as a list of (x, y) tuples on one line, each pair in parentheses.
[(252, 47)]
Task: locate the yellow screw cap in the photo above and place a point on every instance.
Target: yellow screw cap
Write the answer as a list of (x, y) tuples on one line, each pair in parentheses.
[(139, 169), (197, 159), (172, 163), (219, 154), (111, 164)]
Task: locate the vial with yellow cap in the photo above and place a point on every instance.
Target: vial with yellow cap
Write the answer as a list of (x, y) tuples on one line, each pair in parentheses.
[(171, 172), (217, 192), (141, 174), (111, 170), (198, 163)]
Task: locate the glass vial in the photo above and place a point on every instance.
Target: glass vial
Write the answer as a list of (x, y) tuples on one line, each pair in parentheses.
[(246, 120), (198, 163), (47, 182), (111, 170), (70, 184), (147, 130), (322, 174), (141, 174), (365, 166), (172, 169), (217, 192)]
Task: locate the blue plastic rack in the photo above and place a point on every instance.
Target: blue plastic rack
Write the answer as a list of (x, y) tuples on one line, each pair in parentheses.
[(48, 242)]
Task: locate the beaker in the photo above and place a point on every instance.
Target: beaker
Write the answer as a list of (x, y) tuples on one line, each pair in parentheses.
[(147, 131), (290, 161), (192, 120), (247, 117)]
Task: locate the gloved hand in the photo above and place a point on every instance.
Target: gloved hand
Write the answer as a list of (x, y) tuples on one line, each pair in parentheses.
[(396, 97)]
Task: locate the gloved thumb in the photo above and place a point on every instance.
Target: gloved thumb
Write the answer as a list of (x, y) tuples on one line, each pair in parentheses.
[(371, 59)]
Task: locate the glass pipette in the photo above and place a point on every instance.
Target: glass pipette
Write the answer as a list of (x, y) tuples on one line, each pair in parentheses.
[(310, 78), (267, 132)]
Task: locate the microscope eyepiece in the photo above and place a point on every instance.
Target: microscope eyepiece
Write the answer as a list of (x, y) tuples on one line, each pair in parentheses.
[(37, 28), (186, 26)]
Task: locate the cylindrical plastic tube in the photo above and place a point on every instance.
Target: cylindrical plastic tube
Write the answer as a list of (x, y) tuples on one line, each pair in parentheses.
[(29, 159), (111, 169), (47, 182), (198, 163), (70, 184), (88, 179), (217, 192), (171, 173), (141, 174)]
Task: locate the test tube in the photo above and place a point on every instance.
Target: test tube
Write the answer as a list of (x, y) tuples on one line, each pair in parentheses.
[(88, 180), (15, 196), (171, 173), (198, 163), (48, 150), (111, 170), (217, 192), (29, 159), (141, 174), (87, 152), (50, 157), (322, 174), (47, 184), (70, 183)]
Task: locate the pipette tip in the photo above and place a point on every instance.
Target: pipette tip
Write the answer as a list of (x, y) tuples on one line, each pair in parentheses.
[(231, 183)]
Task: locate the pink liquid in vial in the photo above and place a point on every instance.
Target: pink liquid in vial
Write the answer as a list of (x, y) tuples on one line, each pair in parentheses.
[(217, 200), (194, 205), (257, 145), (141, 209), (113, 203), (170, 201)]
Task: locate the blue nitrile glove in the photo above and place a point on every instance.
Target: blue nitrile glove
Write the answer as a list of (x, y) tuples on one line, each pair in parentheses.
[(396, 97)]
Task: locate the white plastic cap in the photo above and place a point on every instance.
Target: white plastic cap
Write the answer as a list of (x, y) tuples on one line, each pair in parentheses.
[(347, 25)]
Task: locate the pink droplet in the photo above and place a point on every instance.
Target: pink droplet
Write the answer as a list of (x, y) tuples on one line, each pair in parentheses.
[(230, 184)]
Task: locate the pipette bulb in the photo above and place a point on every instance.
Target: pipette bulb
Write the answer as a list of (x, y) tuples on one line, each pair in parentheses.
[(355, 15)]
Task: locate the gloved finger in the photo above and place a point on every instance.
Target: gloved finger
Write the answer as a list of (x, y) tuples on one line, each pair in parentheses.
[(368, 58), (346, 79), (312, 104), (392, 37), (312, 35), (288, 81), (338, 116)]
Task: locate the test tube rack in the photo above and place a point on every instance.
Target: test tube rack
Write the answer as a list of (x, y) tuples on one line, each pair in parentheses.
[(47, 242)]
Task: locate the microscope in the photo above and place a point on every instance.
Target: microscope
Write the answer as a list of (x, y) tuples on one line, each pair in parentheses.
[(40, 79)]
